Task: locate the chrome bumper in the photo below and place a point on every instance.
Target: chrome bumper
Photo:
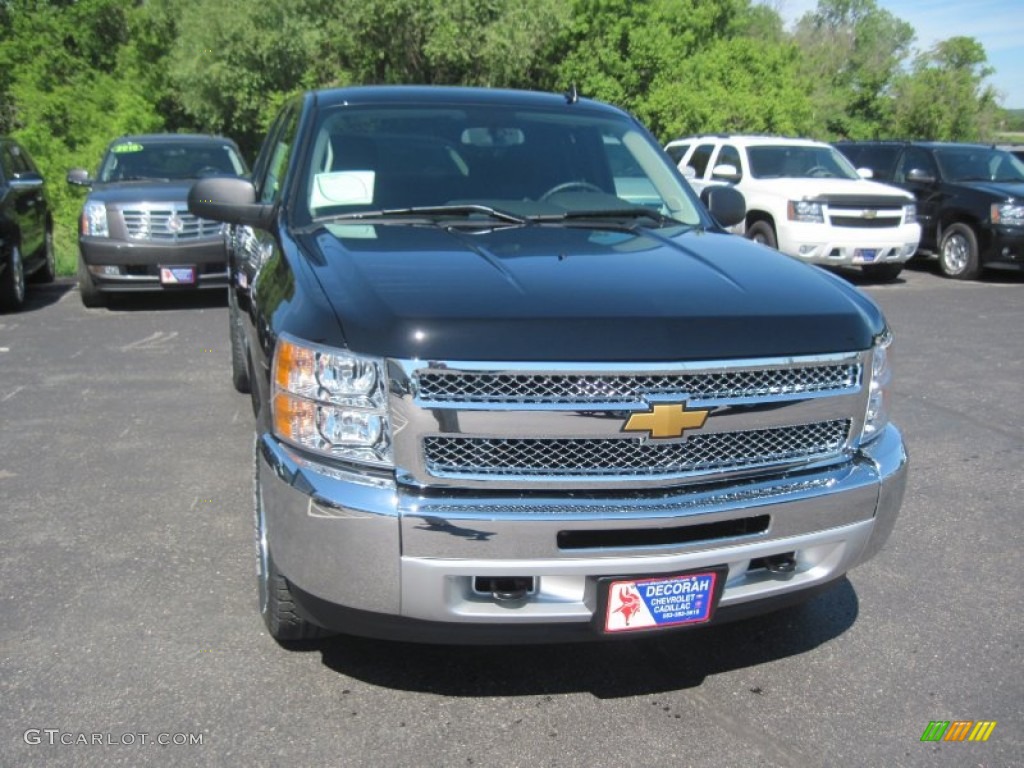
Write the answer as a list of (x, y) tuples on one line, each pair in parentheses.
[(374, 546)]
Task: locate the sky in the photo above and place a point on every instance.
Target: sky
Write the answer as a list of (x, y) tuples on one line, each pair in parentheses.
[(997, 24)]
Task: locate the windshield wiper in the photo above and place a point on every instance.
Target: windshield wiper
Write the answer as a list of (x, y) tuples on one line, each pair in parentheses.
[(434, 211), (633, 214), (142, 178)]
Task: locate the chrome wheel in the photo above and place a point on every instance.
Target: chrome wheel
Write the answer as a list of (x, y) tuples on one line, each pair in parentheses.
[(17, 275), (955, 254), (958, 252)]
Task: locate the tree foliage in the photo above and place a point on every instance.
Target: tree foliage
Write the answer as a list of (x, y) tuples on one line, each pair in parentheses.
[(944, 97), (76, 73), (851, 54)]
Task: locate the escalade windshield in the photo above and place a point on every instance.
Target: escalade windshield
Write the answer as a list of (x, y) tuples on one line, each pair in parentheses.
[(523, 162), (795, 162), (134, 161)]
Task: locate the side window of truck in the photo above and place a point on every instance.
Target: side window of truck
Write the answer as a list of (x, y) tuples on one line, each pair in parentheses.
[(729, 155), (273, 168), (699, 159), (915, 159)]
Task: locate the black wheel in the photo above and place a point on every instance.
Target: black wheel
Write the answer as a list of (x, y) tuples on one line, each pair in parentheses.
[(276, 602), (12, 282), (87, 290), (48, 272), (762, 232), (883, 273), (239, 364), (958, 253)]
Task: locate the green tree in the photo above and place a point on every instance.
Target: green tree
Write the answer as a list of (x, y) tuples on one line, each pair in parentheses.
[(233, 62), (944, 97), (852, 52), (502, 43), (66, 94), (742, 85)]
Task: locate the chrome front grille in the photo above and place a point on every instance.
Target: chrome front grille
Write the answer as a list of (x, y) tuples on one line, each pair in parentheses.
[(509, 426), (167, 222), (539, 388), (468, 456)]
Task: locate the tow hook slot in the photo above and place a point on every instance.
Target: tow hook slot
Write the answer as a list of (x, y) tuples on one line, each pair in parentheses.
[(784, 563), (504, 588)]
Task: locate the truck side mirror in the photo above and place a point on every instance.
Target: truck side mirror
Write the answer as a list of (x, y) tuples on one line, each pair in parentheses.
[(79, 177), (725, 172), (917, 176), (726, 204)]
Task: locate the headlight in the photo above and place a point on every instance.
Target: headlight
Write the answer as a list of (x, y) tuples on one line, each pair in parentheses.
[(331, 402), (910, 213), (879, 387), (806, 211), (94, 219), (1010, 214)]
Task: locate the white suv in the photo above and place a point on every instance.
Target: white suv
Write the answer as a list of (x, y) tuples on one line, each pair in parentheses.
[(805, 199)]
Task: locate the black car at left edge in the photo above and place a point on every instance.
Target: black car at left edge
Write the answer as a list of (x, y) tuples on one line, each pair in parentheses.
[(26, 226), (135, 231)]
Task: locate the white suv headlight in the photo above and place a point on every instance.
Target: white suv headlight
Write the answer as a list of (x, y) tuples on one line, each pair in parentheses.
[(94, 219), (910, 213), (879, 388), (331, 402), (806, 211)]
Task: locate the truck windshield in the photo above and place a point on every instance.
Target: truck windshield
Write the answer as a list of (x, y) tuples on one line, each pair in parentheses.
[(978, 164), (524, 162), (786, 161)]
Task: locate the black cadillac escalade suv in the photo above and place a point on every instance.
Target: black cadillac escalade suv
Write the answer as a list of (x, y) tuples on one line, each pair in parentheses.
[(513, 382), (970, 199)]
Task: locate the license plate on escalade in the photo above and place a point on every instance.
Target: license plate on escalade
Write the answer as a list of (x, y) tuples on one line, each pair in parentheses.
[(178, 275), (628, 605), (866, 254)]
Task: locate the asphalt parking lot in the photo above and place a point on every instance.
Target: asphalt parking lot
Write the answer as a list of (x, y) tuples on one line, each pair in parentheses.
[(128, 607)]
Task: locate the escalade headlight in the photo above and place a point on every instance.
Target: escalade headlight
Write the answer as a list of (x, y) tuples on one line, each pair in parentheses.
[(1009, 214), (94, 219), (806, 211), (331, 402), (910, 213), (879, 387)]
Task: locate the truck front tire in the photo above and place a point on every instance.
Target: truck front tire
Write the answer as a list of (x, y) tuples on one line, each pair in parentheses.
[(958, 253)]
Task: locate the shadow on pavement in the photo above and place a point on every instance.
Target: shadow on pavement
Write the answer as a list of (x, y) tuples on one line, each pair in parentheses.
[(606, 670), (41, 296)]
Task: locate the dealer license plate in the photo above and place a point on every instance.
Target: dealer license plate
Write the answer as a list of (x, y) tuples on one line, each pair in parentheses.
[(661, 601), (866, 254), (178, 275)]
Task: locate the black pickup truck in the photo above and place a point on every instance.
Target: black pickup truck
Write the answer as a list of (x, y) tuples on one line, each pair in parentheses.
[(514, 382), (970, 199)]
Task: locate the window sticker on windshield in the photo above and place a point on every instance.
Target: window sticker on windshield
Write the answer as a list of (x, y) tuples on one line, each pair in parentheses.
[(129, 146), (353, 231), (343, 188)]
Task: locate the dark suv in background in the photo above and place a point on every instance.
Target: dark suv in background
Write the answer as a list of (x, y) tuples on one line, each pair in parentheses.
[(26, 226), (970, 199), (135, 231)]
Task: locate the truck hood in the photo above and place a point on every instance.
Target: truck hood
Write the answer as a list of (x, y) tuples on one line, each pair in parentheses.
[(999, 190), (825, 189), (148, 191), (547, 293)]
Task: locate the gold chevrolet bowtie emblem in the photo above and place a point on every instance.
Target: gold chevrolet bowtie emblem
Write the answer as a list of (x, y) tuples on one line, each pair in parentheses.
[(666, 421)]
